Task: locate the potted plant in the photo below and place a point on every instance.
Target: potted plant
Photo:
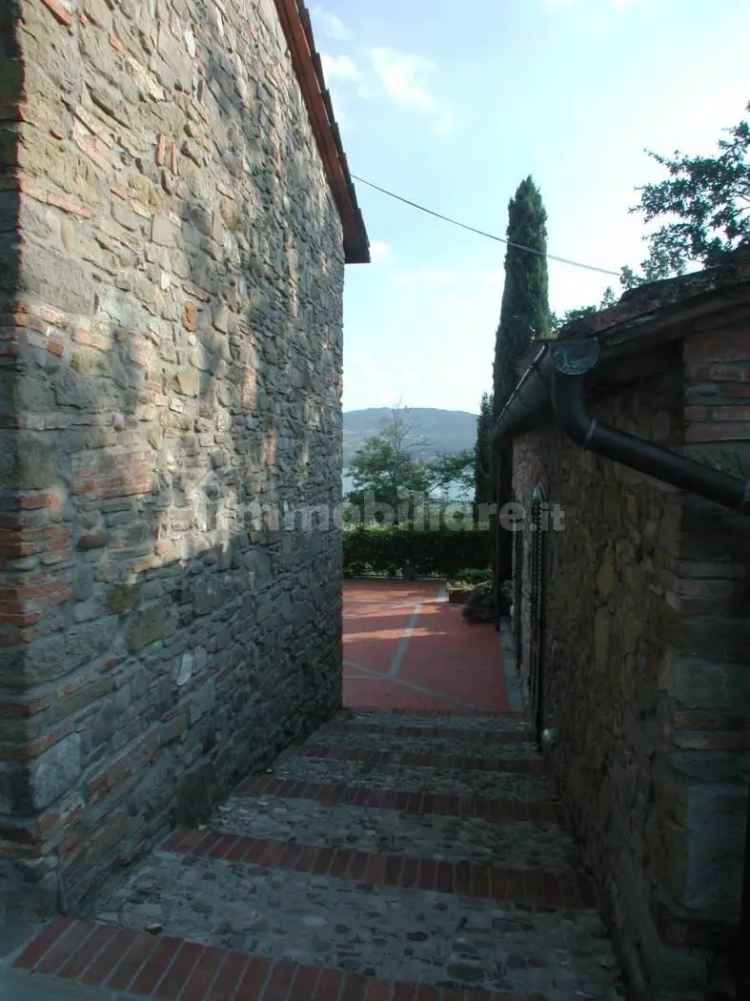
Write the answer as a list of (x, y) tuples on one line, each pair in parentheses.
[(464, 584)]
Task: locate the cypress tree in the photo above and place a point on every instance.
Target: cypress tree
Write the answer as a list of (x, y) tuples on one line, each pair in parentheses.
[(484, 489), (524, 314)]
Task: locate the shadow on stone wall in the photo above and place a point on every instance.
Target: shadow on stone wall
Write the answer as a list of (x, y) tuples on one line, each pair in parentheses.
[(173, 646)]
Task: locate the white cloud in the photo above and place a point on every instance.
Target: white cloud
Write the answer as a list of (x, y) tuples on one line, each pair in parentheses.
[(405, 78), (340, 68), (331, 24), (402, 76), (379, 251)]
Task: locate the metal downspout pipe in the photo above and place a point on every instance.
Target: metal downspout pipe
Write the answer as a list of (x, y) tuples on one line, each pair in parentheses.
[(557, 374), (569, 401), (568, 395)]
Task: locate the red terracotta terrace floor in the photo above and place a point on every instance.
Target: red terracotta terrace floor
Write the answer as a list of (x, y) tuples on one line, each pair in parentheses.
[(405, 647)]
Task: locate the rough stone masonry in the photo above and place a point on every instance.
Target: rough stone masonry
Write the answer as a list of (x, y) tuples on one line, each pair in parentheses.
[(170, 351), (645, 643)]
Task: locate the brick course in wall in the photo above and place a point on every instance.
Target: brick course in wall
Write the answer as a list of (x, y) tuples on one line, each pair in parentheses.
[(170, 351), (645, 655)]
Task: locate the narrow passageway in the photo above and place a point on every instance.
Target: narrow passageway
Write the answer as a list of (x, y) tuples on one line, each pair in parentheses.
[(401, 853)]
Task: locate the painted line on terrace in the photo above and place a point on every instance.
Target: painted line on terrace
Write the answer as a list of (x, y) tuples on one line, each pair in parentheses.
[(403, 643), (368, 674)]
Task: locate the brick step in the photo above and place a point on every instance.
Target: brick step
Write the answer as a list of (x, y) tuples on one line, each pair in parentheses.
[(528, 765), (528, 888), (375, 776), (382, 739), (445, 728), (170, 968), (536, 811), (290, 906), (514, 845)]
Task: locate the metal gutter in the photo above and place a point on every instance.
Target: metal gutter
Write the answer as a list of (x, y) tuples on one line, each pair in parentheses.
[(557, 377)]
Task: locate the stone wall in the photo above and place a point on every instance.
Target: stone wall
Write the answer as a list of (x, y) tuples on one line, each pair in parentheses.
[(644, 651), (170, 353)]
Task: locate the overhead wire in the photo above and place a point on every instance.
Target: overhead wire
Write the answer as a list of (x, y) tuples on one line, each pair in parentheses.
[(481, 232)]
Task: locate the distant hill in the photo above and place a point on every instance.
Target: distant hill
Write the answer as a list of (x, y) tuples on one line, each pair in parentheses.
[(442, 430)]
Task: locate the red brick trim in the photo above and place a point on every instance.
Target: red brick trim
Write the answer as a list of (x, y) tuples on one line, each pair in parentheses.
[(494, 810), (395, 732), (164, 967), (414, 760), (60, 13), (528, 887)]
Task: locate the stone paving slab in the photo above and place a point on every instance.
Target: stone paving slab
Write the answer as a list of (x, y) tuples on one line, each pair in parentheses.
[(488, 785), (393, 933), (516, 845)]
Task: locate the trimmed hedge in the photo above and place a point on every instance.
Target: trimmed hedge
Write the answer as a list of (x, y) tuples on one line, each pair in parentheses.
[(414, 553)]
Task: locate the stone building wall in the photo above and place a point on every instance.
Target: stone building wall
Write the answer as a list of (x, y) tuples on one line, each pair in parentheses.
[(644, 650), (170, 355)]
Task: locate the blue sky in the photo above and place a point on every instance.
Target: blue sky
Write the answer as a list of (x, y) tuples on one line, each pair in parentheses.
[(452, 104)]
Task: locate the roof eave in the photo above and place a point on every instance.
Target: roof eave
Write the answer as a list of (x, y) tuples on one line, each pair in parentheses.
[(295, 22)]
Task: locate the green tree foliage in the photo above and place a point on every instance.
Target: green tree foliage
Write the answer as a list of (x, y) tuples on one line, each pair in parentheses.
[(710, 196), (524, 312), (560, 320), (484, 488), (453, 471), (386, 470)]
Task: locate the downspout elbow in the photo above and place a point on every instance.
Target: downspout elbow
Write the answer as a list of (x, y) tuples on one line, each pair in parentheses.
[(569, 402)]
